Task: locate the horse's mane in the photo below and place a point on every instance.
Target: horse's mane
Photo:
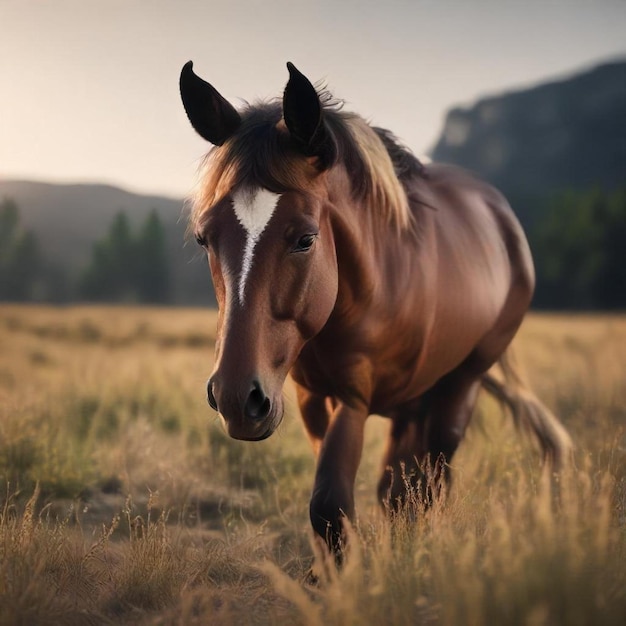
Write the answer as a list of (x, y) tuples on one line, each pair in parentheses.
[(261, 154)]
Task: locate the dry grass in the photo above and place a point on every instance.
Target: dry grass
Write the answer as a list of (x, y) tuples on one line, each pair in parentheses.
[(122, 501)]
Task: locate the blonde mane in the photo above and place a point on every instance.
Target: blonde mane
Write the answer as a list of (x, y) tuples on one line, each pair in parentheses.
[(386, 193)]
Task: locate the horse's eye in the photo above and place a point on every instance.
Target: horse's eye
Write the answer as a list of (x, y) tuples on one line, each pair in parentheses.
[(304, 243), (201, 241)]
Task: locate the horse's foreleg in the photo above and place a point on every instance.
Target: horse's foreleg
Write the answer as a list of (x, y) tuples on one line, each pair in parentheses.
[(338, 461)]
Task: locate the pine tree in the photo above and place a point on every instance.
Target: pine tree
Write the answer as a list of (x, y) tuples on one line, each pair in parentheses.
[(110, 273), (129, 268), (152, 280), (21, 266)]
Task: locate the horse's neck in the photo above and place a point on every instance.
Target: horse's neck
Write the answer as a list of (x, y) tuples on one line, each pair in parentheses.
[(365, 243)]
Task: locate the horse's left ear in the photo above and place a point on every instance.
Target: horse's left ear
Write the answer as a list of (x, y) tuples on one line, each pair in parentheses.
[(211, 115), (304, 118)]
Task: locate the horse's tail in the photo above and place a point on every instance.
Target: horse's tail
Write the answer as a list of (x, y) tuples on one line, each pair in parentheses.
[(529, 412)]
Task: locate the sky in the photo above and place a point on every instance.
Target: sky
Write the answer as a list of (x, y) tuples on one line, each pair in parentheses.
[(89, 88)]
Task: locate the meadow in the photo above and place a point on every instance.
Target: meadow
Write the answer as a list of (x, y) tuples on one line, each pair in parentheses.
[(122, 501)]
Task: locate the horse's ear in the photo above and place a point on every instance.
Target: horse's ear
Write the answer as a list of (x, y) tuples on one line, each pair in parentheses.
[(211, 115), (304, 118)]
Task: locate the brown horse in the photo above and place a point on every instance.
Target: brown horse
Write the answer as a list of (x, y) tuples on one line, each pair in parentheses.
[(383, 285)]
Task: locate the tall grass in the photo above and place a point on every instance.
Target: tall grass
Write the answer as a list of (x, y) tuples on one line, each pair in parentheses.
[(122, 500)]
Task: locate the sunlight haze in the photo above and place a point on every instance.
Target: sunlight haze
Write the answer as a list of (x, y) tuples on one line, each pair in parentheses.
[(89, 89)]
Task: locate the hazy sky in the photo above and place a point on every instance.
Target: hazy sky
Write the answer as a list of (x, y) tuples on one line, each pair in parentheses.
[(89, 88)]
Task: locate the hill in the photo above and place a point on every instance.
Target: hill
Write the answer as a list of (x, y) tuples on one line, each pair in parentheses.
[(68, 219), (565, 134)]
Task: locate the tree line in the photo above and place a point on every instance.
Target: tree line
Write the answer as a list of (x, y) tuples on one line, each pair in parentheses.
[(125, 266), (579, 247), (578, 243), (21, 265)]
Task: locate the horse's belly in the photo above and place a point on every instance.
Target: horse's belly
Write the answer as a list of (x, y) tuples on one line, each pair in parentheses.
[(404, 376)]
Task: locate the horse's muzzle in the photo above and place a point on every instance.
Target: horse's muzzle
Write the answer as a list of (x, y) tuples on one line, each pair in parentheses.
[(250, 415)]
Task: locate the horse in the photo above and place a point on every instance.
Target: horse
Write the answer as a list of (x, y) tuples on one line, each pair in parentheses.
[(381, 284)]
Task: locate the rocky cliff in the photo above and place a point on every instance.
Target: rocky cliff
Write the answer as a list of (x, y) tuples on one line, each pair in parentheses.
[(569, 134)]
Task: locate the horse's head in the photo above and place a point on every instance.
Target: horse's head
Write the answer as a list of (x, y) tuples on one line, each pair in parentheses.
[(262, 216)]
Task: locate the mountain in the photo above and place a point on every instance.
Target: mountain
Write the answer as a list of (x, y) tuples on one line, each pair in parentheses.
[(566, 134), (68, 219)]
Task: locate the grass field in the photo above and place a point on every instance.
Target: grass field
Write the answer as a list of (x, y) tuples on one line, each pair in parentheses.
[(123, 502)]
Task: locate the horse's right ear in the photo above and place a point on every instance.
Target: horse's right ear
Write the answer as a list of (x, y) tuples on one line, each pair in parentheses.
[(304, 117), (211, 115)]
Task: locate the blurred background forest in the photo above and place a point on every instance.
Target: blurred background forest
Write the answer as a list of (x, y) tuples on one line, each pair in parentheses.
[(557, 151)]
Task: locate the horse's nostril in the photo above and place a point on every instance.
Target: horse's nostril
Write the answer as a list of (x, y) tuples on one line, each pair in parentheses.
[(258, 404), (209, 395)]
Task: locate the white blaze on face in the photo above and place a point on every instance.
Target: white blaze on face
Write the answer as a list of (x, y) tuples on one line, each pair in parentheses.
[(254, 209)]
